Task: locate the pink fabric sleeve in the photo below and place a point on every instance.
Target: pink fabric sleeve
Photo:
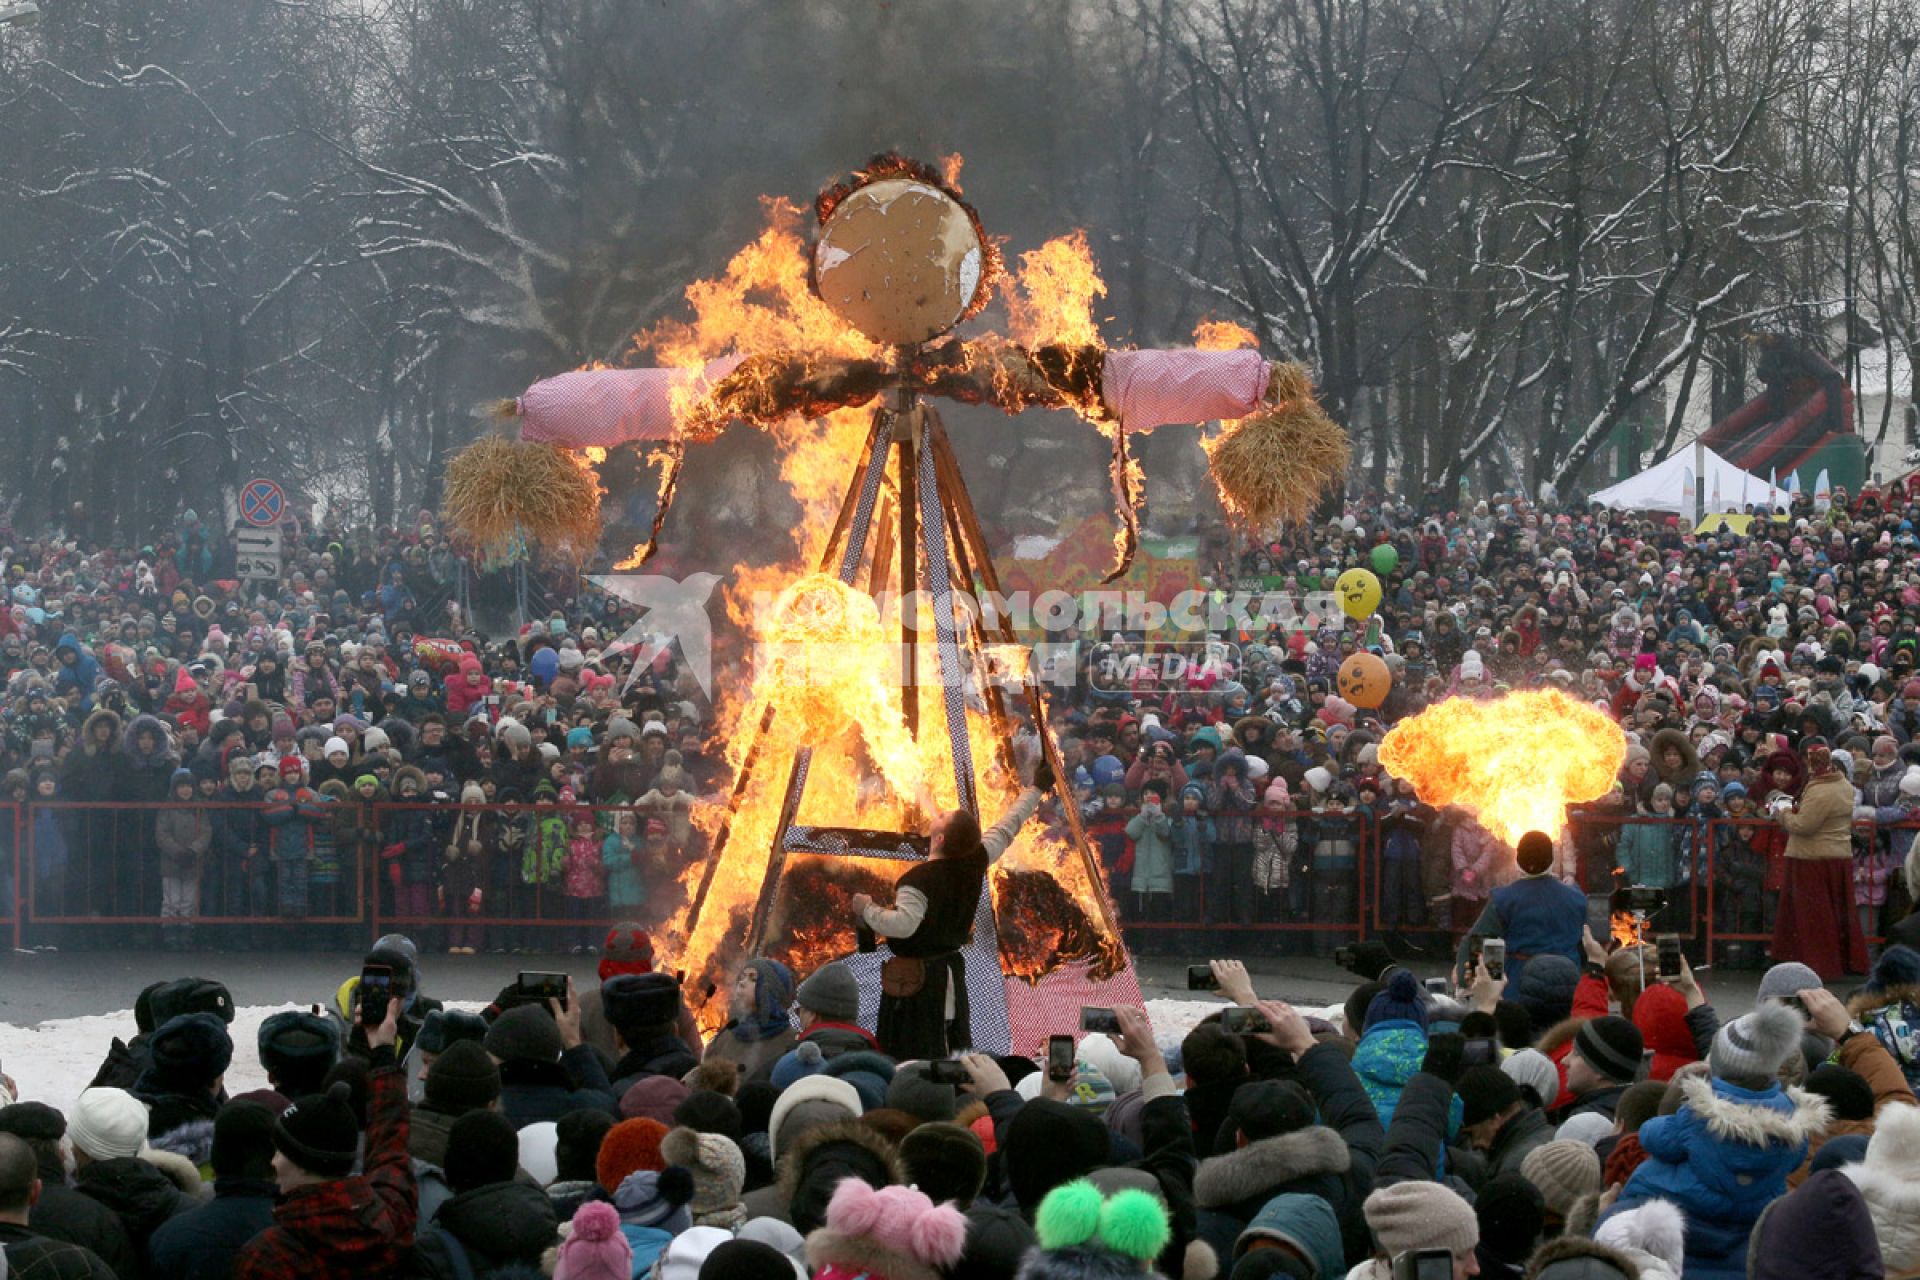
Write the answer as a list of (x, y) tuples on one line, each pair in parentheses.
[(606, 407), (1148, 389)]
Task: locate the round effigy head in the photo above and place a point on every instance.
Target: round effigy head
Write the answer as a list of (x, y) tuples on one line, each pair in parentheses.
[(900, 260)]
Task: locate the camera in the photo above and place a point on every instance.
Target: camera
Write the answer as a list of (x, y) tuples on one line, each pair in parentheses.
[(1436, 986), (947, 1071), (1244, 1021), (1423, 1264), (1200, 978)]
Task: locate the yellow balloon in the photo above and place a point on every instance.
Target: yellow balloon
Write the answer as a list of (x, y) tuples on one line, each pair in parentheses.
[(1359, 593)]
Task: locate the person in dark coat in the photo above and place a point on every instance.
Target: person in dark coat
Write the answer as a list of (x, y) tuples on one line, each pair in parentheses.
[(1537, 914), (26, 1253), (644, 1009), (143, 775), (182, 1084), (492, 1219), (108, 1128), (1822, 1231), (1498, 1120), (90, 774), (61, 1213), (202, 1243), (546, 1069), (1284, 1148)]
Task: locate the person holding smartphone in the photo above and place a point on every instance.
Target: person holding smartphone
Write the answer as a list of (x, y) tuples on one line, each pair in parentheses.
[(923, 1003)]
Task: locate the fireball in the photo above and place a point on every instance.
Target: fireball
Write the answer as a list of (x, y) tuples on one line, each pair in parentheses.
[(1517, 762)]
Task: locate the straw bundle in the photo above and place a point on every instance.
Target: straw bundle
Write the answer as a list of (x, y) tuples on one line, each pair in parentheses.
[(1273, 466), (499, 488)]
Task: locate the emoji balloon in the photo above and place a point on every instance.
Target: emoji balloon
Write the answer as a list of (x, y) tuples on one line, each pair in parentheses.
[(1358, 592), (1364, 680)]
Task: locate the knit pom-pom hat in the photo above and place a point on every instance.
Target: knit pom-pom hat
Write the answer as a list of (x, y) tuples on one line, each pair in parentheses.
[(895, 1232), (596, 1250), (1084, 1233)]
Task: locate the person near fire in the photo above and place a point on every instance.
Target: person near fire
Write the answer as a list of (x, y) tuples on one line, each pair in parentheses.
[(923, 1000)]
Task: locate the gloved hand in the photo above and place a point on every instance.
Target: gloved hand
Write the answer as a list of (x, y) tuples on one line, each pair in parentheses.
[(1043, 778)]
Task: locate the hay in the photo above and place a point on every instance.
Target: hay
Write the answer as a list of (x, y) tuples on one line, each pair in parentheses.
[(498, 489), (1272, 467)]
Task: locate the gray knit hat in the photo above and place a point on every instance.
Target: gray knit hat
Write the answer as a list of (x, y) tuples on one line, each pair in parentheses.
[(1564, 1170), (1421, 1215), (831, 992), (1788, 978), (1749, 1050)]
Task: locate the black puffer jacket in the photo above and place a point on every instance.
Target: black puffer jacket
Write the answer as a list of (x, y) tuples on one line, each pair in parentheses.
[(138, 1193), (498, 1224)]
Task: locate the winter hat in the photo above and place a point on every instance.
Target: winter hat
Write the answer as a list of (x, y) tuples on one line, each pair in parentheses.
[(1305, 1223), (654, 1097), (1049, 1143), (640, 999), (1269, 1108), (869, 1073), (1749, 1050), (646, 1198), (629, 1146), (1822, 1231), (945, 1161), (830, 1091), (743, 1260), (577, 1136), (595, 1249), (686, 1254), (1421, 1215), (1319, 779), (108, 1124), (297, 1044), (189, 1053), (1584, 1126), (1530, 1067), (917, 1095), (1612, 1046), (1401, 1002), (627, 949), (1845, 1090), (707, 1112), (525, 1033), (319, 1132), (831, 992), (1564, 1170), (1084, 1234), (1535, 853), (190, 995), (1839, 1151), (892, 1232), (1575, 1257), (463, 1078), (1655, 1229), (1897, 967), (1091, 1090), (1789, 978), (444, 1028), (1485, 1092), (482, 1148), (719, 1170), (243, 1141), (1512, 1214)]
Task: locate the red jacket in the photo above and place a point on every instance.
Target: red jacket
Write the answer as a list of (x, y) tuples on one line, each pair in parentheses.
[(359, 1227)]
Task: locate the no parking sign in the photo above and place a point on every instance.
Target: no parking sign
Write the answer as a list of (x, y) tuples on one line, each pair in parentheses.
[(262, 503)]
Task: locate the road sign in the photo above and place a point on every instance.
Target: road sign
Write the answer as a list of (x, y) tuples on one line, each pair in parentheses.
[(258, 541), (257, 567), (262, 503)]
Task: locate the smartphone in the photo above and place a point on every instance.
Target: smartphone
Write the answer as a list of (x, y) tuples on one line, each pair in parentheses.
[(1423, 1264), (1243, 1021), (1668, 945), (376, 989), (1479, 1052), (1493, 956), (947, 1071), (1437, 986), (1060, 1058), (1094, 1018), (1200, 978), (542, 986)]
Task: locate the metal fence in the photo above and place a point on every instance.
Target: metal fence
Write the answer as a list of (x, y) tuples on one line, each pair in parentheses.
[(551, 877)]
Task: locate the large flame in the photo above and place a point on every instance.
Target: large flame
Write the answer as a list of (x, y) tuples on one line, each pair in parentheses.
[(1517, 761)]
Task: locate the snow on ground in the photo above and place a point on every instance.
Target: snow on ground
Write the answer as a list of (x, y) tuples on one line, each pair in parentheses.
[(53, 1062)]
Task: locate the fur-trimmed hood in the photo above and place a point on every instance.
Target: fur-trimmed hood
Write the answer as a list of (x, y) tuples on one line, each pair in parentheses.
[(192, 1142), (1889, 1181), (863, 1254), (1258, 1168), (1740, 1115), (1590, 1261), (794, 1160), (1077, 1263)]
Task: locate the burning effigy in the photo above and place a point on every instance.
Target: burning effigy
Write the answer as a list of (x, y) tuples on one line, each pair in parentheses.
[(858, 728), (1516, 761)]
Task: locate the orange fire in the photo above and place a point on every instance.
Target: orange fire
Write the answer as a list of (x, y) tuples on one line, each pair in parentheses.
[(1223, 335), (826, 660), (1517, 761)]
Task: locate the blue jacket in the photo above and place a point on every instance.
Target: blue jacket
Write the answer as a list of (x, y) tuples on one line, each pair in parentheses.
[(1721, 1159), (534, 1091), (1540, 916), (78, 678), (202, 1243), (1386, 1058)]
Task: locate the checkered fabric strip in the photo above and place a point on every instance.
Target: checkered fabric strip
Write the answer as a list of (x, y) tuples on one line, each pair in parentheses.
[(602, 408), (1052, 1006), (933, 540), (1148, 389)]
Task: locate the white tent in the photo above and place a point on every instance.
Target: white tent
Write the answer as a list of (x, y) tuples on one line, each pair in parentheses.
[(1669, 486)]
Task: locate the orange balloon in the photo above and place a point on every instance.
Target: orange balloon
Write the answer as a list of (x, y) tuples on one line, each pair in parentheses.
[(1364, 680)]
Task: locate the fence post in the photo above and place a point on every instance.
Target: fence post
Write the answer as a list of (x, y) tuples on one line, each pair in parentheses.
[(19, 856), (1713, 848), (371, 876)]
